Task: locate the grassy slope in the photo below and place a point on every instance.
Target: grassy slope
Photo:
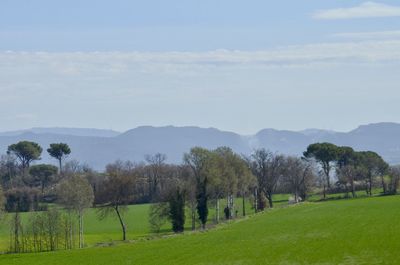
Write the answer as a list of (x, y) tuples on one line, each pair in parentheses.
[(136, 218), (360, 231)]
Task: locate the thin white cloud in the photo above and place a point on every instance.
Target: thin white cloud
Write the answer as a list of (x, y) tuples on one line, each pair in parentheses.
[(20, 117), (372, 35), (364, 10), (102, 64)]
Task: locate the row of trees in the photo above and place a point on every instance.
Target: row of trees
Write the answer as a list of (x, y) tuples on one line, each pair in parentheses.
[(350, 166), (207, 176), (199, 184)]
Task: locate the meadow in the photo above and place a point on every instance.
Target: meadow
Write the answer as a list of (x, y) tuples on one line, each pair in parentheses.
[(108, 231), (352, 231)]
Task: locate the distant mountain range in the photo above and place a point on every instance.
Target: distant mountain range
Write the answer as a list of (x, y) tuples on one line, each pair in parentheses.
[(99, 147)]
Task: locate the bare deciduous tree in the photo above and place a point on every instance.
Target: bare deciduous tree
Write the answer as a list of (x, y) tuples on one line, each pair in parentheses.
[(298, 176), (268, 168), (156, 168), (76, 194), (117, 191), (394, 173)]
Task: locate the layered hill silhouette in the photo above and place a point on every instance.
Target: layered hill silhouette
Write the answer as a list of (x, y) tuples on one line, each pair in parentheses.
[(99, 147)]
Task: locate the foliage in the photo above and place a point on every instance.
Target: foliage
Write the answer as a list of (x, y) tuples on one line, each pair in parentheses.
[(76, 194), (45, 231), (177, 210), (201, 161), (42, 175), (26, 152), (374, 166), (325, 154), (2, 203), (394, 174), (158, 215), (8, 170), (59, 151), (22, 199)]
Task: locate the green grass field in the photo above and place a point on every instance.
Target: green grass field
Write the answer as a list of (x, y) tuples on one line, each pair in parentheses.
[(354, 231), (136, 218), (108, 230)]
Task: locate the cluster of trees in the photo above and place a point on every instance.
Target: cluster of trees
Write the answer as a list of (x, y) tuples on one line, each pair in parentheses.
[(352, 168), (207, 176), (195, 187), (27, 187), (44, 231), (288, 174), (25, 183)]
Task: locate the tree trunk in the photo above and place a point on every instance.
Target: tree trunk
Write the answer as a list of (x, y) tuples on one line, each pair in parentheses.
[(81, 239), (353, 191), (16, 232), (370, 185), (232, 206), (70, 232), (243, 205), (328, 181), (383, 185), (217, 211), (269, 197), (324, 191), (60, 165), (367, 187), (255, 201), (193, 218), (326, 171), (42, 188), (121, 222)]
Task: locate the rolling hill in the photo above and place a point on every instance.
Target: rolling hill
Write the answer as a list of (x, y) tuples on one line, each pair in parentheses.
[(99, 147)]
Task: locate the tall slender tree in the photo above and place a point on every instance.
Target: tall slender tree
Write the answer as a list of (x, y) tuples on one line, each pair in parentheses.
[(76, 194), (2, 202), (326, 155), (176, 214), (246, 180), (201, 161), (59, 151)]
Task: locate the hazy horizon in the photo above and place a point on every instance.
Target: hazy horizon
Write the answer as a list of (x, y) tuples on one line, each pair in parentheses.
[(196, 126), (237, 67)]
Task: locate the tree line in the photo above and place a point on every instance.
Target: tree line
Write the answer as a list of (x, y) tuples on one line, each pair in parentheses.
[(195, 187), (352, 169)]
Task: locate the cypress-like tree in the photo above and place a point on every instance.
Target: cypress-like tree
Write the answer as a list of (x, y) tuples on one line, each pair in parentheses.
[(177, 210)]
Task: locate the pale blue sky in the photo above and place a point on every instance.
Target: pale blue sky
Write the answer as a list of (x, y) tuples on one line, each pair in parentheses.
[(234, 65)]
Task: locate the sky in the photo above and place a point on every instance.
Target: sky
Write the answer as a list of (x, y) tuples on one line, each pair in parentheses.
[(234, 65)]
